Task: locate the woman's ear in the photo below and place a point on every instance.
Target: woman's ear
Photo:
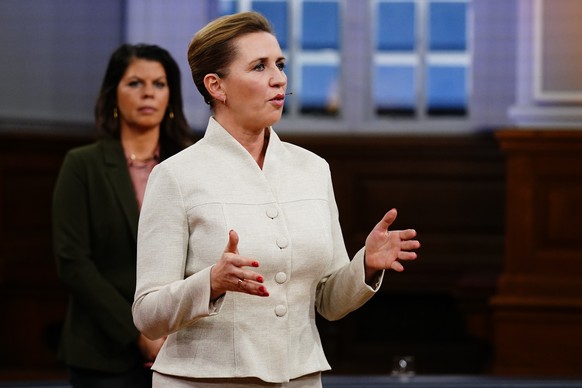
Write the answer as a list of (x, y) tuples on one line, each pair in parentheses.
[(213, 84)]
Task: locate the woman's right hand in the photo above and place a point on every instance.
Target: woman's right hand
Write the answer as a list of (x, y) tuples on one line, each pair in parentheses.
[(149, 348), (229, 274)]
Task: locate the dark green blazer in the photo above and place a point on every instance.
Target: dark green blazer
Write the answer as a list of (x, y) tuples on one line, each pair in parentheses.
[(95, 216)]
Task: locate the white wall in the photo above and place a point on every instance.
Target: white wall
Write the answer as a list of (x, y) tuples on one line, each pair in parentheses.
[(494, 62), (53, 57)]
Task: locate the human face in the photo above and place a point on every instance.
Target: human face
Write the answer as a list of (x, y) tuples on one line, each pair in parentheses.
[(142, 95), (256, 82)]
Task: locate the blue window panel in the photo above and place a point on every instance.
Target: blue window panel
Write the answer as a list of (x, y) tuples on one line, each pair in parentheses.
[(448, 26), (395, 26), (319, 86), (227, 7), (277, 14), (447, 87), (394, 87), (320, 25)]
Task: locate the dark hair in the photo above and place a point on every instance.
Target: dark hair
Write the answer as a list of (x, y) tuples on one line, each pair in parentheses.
[(212, 49), (175, 133)]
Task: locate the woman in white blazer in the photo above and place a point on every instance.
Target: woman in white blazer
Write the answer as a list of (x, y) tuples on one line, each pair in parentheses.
[(239, 241)]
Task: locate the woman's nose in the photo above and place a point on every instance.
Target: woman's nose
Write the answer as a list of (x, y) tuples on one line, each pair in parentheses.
[(279, 78), (148, 90)]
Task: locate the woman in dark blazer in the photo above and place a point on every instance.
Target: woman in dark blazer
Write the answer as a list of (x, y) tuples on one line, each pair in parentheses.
[(95, 215)]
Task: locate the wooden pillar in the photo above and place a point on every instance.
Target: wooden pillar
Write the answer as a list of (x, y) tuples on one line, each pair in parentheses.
[(538, 309)]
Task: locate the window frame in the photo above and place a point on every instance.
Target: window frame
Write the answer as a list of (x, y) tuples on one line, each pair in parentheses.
[(357, 55)]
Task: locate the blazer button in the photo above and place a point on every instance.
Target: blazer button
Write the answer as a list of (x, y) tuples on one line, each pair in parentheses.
[(280, 310), (272, 212), (282, 242), (281, 277)]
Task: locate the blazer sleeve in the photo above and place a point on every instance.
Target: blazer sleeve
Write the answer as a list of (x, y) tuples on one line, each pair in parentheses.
[(165, 299), (344, 289), (75, 262)]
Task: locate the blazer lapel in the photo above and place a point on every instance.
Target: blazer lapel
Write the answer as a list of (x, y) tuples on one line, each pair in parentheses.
[(118, 176)]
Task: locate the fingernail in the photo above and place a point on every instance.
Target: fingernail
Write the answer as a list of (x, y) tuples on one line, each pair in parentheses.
[(255, 264), (262, 289), (259, 279)]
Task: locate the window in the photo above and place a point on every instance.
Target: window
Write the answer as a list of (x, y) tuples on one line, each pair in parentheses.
[(425, 77), (371, 65)]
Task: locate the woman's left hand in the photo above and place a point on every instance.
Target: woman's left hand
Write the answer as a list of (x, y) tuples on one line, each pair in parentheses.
[(386, 248)]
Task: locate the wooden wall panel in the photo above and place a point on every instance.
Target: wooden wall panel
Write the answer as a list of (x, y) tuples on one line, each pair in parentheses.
[(32, 299), (538, 307)]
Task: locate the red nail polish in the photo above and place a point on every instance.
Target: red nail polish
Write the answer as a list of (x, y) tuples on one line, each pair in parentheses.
[(259, 279), (262, 289), (255, 264)]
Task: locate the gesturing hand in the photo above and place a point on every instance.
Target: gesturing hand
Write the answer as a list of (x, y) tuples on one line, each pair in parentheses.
[(385, 248), (228, 273)]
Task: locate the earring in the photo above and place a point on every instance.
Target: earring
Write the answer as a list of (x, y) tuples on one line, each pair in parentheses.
[(171, 114), (115, 113), (224, 101)]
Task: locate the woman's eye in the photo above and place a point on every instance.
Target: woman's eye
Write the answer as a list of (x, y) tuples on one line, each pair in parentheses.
[(134, 84), (160, 85), (281, 66), (260, 66)]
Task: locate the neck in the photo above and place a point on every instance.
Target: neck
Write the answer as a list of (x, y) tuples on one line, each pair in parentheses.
[(140, 145), (255, 141)]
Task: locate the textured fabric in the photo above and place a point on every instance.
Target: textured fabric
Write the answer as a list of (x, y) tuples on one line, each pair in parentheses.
[(165, 381), (286, 218)]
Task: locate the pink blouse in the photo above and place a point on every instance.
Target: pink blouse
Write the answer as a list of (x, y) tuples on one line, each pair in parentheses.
[(139, 171)]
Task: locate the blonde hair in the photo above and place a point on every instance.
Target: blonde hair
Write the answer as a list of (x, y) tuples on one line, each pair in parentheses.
[(212, 48)]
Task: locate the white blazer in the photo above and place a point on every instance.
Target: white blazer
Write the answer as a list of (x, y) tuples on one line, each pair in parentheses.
[(286, 218)]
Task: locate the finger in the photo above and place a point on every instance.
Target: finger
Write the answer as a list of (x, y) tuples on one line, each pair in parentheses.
[(250, 287), (248, 275), (256, 289), (407, 234), (386, 221), (397, 266), (403, 255), (243, 261), (409, 245), (251, 275), (232, 245)]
